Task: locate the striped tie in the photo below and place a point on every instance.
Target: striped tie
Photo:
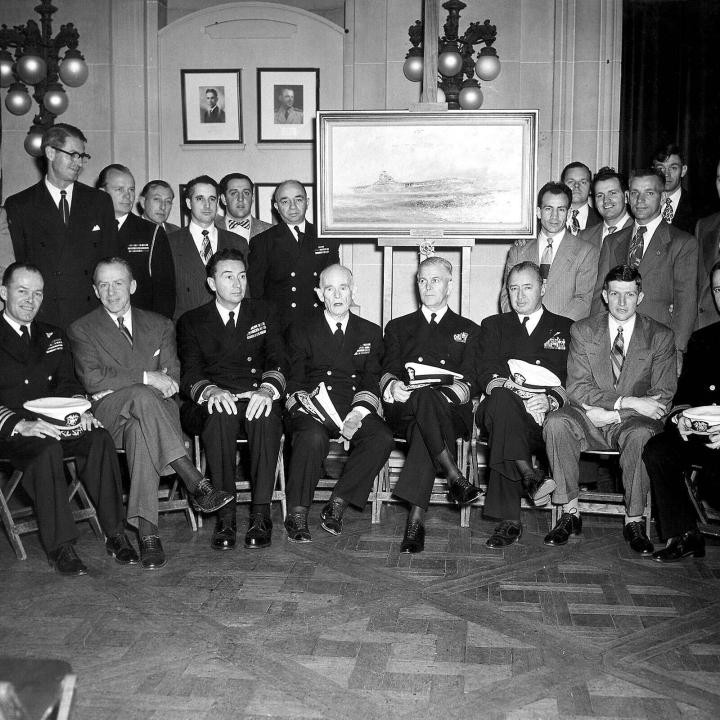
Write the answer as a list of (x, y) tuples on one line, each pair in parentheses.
[(245, 224), (123, 329), (617, 354), (546, 259), (636, 247), (575, 223), (206, 246)]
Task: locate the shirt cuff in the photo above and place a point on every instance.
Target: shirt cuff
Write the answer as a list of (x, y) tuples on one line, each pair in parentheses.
[(273, 390), (363, 411), (205, 393)]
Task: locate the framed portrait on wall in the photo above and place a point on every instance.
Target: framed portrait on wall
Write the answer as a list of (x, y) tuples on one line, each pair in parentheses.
[(211, 106), (263, 207), (287, 100)]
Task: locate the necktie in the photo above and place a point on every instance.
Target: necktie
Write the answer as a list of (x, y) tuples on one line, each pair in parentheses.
[(287, 114), (611, 229), (230, 324), (339, 335), (206, 246), (617, 354), (300, 235), (668, 211), (64, 207), (25, 332), (232, 224), (546, 259), (525, 321), (433, 321), (124, 330), (636, 247), (574, 223)]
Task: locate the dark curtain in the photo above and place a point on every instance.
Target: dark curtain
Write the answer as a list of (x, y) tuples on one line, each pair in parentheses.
[(671, 89)]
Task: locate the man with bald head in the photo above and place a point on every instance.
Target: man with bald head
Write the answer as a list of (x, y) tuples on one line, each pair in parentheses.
[(286, 261), (142, 243), (342, 352)]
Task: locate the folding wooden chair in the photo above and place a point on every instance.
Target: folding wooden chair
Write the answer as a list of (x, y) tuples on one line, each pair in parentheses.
[(708, 518)]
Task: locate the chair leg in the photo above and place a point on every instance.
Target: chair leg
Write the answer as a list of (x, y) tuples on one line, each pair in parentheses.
[(87, 509), (68, 690), (280, 479), (7, 517)]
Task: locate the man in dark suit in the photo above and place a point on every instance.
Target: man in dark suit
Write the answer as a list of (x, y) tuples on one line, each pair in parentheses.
[(670, 454), (511, 416), (610, 193), (236, 196), (36, 363), (194, 245), (212, 112), (156, 201), (286, 260), (233, 365), (708, 235), (142, 243), (568, 263), (63, 227), (581, 215), (431, 418), (126, 359), (667, 259), (677, 207), (621, 379), (343, 352)]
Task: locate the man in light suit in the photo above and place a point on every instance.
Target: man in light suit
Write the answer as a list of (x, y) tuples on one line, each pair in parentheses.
[(156, 201), (286, 261), (677, 207), (708, 234), (581, 215), (621, 379), (568, 263), (127, 361), (63, 227), (236, 197), (667, 259), (143, 244), (194, 245), (610, 193)]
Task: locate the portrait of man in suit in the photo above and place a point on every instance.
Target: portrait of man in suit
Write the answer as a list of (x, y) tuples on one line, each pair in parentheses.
[(610, 193), (63, 227), (621, 379), (581, 215), (286, 113), (156, 201), (237, 192), (210, 110)]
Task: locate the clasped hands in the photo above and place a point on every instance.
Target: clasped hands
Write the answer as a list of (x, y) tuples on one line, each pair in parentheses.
[(259, 403), (537, 406)]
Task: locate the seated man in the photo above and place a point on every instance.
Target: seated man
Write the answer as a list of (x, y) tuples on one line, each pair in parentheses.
[(621, 378), (431, 417), (233, 360), (126, 358), (341, 352), (36, 363), (673, 451), (511, 415)]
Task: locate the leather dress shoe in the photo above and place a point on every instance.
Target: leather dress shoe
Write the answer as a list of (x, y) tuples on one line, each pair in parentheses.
[(689, 543), (66, 561), (506, 533), (331, 517), (259, 534), (296, 526), (414, 538), (223, 537), (538, 487), (152, 555), (634, 533), (120, 548), (208, 499), (568, 524), (462, 491)]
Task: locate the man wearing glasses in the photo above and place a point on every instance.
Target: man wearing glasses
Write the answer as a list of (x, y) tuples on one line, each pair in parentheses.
[(63, 227)]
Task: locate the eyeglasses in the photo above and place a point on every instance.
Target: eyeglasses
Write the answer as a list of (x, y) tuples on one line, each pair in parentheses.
[(82, 157)]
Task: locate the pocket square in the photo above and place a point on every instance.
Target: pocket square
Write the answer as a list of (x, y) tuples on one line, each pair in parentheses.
[(96, 228), (156, 353)]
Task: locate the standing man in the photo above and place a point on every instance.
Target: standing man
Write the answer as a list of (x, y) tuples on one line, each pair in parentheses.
[(287, 259), (212, 112), (194, 245), (236, 196), (666, 257), (431, 418), (63, 227), (621, 379), (610, 193), (511, 414), (568, 264), (233, 365), (37, 363), (677, 207), (142, 243), (581, 215), (156, 201), (708, 235), (672, 453), (344, 352), (126, 359), (287, 114)]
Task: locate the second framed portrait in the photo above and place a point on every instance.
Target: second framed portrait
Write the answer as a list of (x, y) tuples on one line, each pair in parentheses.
[(287, 102), (212, 106)]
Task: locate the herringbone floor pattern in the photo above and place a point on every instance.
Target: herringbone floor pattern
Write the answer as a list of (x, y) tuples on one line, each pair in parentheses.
[(348, 628)]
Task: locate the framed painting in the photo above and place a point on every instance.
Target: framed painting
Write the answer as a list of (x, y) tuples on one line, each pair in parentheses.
[(446, 174), (263, 208), (287, 100), (211, 106)]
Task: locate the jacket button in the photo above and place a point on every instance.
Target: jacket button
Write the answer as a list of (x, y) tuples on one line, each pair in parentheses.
[(537, 362), (254, 384), (329, 372), (249, 359), (27, 382), (292, 274), (353, 375), (419, 359), (293, 304), (294, 289), (329, 387), (253, 370), (314, 274), (442, 362), (314, 304), (353, 387), (712, 387)]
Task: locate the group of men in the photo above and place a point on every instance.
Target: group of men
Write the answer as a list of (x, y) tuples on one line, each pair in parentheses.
[(264, 339)]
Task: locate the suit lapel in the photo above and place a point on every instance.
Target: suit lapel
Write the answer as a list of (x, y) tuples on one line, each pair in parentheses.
[(711, 245), (13, 344), (562, 258), (600, 352), (111, 335), (635, 357), (622, 245), (655, 248)]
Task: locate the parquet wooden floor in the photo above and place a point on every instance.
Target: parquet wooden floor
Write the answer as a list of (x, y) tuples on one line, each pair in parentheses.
[(349, 628)]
